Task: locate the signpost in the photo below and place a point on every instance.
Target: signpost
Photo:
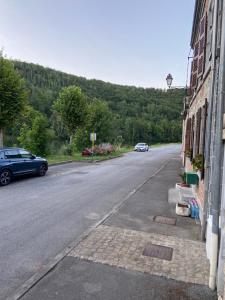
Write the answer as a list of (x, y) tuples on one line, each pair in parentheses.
[(93, 139)]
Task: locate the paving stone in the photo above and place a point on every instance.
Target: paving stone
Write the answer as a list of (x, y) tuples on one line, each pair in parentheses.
[(165, 220), (78, 279), (188, 264)]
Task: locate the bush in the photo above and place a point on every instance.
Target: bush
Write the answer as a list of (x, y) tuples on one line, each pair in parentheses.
[(183, 177), (188, 153), (118, 141), (35, 137), (67, 149), (198, 162)]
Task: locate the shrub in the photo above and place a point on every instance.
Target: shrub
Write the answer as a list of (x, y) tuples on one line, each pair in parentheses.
[(35, 137), (183, 177), (102, 149), (188, 153), (198, 162)]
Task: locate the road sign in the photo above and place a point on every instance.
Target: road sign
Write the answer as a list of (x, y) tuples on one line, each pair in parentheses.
[(93, 137)]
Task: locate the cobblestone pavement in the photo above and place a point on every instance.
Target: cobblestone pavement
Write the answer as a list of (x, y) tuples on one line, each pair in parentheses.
[(124, 248)]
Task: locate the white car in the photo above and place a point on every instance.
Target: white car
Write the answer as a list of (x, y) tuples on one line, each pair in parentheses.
[(141, 147)]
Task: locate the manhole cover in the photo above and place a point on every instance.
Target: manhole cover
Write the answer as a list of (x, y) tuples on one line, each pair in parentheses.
[(165, 220), (157, 251)]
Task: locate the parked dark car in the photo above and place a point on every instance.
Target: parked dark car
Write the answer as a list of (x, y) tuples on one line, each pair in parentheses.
[(16, 162)]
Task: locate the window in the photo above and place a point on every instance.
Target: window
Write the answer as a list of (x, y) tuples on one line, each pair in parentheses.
[(202, 45), (198, 63), (2, 155), (194, 68), (24, 154), (209, 35), (188, 135), (198, 131), (203, 129), (192, 140), (9, 154)]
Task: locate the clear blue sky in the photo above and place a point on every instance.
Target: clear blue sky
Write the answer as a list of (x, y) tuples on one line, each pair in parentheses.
[(133, 42)]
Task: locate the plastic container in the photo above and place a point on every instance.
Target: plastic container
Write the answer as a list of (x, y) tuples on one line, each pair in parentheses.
[(192, 178), (183, 209)]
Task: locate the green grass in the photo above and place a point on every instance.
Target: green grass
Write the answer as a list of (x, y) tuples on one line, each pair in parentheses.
[(58, 158), (162, 144), (78, 157)]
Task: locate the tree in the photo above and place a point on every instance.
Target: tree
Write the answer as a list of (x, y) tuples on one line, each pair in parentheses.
[(159, 109), (72, 108), (99, 120), (12, 95), (34, 132), (118, 141)]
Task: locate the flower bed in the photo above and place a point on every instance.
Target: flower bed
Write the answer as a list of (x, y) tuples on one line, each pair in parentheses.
[(102, 149)]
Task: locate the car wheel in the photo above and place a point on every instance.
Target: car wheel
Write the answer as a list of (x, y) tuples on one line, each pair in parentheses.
[(42, 170), (5, 177)]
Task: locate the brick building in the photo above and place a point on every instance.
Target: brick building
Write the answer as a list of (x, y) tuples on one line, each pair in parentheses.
[(195, 111), (204, 130)]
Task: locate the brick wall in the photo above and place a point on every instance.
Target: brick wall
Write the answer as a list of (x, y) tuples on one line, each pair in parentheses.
[(202, 94), (188, 165), (198, 102), (198, 190)]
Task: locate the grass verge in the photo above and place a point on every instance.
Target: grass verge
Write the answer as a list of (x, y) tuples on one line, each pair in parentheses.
[(52, 159), (163, 144)]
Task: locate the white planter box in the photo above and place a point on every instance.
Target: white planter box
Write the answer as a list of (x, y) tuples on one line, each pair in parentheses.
[(183, 209), (184, 188)]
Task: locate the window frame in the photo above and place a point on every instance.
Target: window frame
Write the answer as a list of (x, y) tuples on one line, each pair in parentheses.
[(15, 156), (22, 155)]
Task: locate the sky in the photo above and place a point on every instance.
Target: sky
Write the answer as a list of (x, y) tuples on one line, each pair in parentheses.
[(129, 42)]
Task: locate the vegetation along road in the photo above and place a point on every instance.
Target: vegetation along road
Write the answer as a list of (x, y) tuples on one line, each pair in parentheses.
[(39, 217)]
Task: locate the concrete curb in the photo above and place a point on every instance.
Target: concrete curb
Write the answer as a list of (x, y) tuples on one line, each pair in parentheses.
[(33, 280), (61, 163), (80, 161), (99, 161)]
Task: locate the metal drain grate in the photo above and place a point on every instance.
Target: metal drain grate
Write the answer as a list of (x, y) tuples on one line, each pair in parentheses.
[(165, 220), (158, 251)]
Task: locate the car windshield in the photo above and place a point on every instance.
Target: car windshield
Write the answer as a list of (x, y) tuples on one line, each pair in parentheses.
[(141, 144)]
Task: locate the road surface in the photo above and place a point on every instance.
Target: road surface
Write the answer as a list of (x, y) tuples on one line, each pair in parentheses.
[(40, 216)]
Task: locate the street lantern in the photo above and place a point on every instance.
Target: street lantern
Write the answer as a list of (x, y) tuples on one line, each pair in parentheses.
[(169, 80)]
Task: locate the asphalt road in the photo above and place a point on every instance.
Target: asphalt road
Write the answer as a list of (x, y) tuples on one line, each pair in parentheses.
[(40, 216)]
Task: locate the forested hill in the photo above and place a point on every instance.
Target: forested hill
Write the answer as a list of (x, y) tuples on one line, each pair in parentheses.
[(143, 114)]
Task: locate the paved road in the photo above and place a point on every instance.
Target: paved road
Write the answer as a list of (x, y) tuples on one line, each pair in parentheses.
[(39, 217)]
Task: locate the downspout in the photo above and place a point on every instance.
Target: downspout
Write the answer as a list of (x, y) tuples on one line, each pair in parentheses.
[(217, 158), (209, 124), (220, 276)]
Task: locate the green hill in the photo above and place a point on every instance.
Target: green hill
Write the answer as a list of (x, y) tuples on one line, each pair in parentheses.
[(141, 114)]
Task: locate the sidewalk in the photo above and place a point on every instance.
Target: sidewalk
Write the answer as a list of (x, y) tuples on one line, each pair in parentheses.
[(143, 251)]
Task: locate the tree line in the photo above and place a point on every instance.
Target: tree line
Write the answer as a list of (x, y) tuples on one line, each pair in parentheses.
[(53, 111)]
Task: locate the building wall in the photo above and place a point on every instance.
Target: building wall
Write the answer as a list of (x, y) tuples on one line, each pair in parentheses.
[(202, 94), (209, 85), (198, 102)]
